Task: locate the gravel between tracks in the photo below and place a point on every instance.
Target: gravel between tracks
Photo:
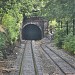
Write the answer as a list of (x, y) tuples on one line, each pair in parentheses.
[(48, 68)]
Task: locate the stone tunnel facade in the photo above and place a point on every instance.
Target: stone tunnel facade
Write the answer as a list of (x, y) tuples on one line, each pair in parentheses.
[(33, 28)]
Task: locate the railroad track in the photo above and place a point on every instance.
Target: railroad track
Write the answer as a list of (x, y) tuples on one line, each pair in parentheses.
[(20, 69), (65, 67), (28, 65), (34, 61)]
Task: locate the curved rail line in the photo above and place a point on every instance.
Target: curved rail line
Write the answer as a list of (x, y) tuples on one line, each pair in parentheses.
[(59, 57)]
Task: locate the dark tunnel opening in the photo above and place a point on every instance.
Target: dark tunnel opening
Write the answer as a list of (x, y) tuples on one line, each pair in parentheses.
[(31, 32)]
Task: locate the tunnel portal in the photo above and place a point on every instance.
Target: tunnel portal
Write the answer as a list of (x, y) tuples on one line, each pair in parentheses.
[(31, 32)]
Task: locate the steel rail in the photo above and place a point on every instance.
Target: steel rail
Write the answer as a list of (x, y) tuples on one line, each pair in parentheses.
[(34, 62), (20, 69)]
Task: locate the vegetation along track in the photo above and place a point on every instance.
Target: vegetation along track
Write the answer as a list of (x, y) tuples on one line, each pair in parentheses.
[(28, 46), (65, 67)]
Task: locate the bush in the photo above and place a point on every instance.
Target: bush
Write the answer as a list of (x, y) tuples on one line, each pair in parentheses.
[(69, 43), (59, 37), (2, 45), (1, 55), (12, 29), (2, 40), (12, 26)]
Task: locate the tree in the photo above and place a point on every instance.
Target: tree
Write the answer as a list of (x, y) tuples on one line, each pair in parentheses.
[(59, 9)]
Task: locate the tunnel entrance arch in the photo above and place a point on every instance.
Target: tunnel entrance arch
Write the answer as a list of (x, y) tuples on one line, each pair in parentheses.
[(31, 32)]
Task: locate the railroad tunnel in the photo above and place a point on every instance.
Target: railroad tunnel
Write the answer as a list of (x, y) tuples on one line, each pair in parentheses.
[(31, 32)]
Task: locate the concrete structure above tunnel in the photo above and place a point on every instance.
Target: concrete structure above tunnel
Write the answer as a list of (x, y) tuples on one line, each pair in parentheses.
[(31, 32)]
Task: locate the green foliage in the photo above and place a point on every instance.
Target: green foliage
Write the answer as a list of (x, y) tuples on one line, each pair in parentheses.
[(69, 43), (10, 23), (1, 55), (2, 40), (64, 41), (59, 9), (59, 37), (2, 44)]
